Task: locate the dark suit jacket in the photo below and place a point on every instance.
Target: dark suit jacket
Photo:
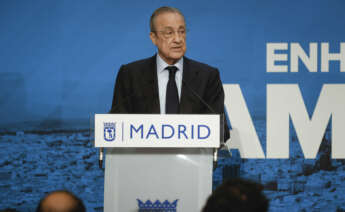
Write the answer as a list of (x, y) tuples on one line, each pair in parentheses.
[(136, 89)]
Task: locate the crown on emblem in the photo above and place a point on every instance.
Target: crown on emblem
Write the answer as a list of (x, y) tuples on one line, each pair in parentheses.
[(157, 206), (109, 124)]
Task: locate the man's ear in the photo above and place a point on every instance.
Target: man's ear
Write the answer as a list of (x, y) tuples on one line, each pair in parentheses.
[(153, 37)]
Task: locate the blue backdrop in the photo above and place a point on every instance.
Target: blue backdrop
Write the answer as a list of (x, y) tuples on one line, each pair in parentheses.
[(59, 60)]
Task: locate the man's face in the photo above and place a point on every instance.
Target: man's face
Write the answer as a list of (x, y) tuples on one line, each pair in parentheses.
[(169, 36)]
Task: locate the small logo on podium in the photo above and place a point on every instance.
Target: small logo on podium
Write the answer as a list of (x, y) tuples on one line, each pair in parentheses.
[(157, 206), (109, 131)]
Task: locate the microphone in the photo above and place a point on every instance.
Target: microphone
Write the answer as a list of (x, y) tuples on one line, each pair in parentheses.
[(215, 153), (100, 161), (208, 107), (199, 97)]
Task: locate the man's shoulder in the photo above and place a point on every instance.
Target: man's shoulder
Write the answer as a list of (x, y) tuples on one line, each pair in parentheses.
[(150, 62), (200, 66), (138, 67), (141, 63)]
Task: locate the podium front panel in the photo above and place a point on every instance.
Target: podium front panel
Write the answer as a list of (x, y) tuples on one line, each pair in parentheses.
[(149, 178)]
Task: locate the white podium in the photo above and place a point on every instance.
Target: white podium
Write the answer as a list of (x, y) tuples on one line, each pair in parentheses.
[(157, 162)]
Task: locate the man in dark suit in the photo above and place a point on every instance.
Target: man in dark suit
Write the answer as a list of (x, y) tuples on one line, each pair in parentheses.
[(168, 82)]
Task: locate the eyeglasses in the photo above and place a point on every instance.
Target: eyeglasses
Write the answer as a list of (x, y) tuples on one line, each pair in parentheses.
[(169, 33)]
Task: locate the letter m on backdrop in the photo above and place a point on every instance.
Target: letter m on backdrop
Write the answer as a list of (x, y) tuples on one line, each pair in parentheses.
[(285, 102)]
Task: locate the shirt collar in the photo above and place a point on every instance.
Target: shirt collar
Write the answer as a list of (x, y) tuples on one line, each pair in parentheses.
[(161, 64)]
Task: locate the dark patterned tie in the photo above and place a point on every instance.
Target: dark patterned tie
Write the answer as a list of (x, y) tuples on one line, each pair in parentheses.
[(172, 100)]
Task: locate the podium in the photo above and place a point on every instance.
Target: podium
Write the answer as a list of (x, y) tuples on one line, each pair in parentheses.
[(157, 162)]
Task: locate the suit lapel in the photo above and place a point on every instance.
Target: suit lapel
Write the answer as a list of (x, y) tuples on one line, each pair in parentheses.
[(188, 82), (150, 80)]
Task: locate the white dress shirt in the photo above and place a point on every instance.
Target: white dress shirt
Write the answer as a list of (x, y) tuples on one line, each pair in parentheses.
[(163, 77)]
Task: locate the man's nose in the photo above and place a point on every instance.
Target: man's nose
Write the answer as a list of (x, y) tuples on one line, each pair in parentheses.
[(178, 37)]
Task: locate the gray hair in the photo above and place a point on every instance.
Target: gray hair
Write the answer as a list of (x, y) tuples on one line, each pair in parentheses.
[(161, 10)]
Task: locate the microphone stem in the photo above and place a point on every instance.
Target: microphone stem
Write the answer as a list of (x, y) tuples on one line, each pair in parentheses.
[(100, 162)]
